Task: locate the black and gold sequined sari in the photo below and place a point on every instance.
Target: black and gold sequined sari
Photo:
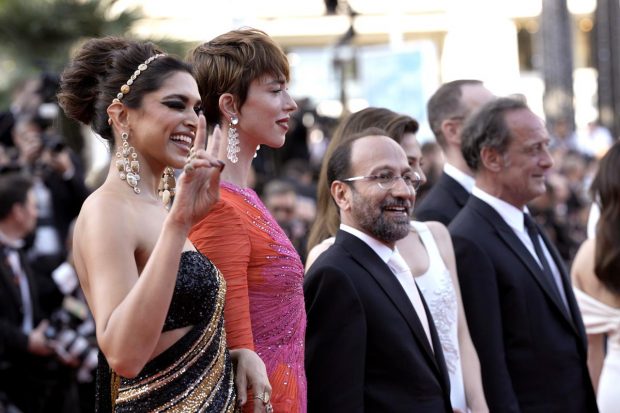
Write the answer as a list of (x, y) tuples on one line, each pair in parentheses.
[(195, 374)]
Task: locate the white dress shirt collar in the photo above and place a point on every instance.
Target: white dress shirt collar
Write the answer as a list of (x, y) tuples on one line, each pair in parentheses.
[(509, 213), (382, 250), (11, 242), (459, 176)]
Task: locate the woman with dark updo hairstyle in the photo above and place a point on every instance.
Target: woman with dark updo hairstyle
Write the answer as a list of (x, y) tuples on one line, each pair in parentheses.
[(596, 282), (157, 302)]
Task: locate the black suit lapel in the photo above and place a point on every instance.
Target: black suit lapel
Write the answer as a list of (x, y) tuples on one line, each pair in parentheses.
[(514, 243), (454, 189), (575, 313), (382, 274), (7, 280)]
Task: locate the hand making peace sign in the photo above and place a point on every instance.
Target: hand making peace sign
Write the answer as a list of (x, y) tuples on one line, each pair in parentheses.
[(198, 186)]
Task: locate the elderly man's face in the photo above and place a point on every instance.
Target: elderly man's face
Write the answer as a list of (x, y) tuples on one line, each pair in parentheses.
[(527, 159)]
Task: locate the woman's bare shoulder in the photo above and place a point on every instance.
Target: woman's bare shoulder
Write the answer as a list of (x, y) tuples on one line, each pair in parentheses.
[(317, 250), (440, 233), (582, 268)]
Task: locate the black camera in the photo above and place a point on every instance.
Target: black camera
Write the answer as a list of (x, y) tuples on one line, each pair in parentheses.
[(72, 332), (53, 142)]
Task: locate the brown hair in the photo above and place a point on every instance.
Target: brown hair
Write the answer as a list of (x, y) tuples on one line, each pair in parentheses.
[(445, 104), (14, 187), (487, 128), (101, 66), (395, 125), (230, 62), (606, 188)]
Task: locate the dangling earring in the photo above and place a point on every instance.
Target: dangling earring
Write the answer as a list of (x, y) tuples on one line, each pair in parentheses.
[(256, 153), (233, 140), (129, 171), (167, 186)]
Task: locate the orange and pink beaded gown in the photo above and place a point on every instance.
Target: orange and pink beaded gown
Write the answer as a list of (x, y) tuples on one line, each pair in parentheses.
[(264, 298)]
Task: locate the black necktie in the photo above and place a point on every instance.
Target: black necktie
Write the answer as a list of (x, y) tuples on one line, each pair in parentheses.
[(532, 231)]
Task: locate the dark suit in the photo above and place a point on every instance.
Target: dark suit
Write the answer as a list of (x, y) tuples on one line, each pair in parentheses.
[(33, 383), (532, 350), (443, 201), (366, 349)]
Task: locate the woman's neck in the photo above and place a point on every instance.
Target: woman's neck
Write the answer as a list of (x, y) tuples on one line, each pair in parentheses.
[(236, 173)]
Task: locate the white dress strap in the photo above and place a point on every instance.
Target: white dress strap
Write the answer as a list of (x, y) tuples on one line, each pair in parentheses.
[(435, 260), (597, 317), (440, 295)]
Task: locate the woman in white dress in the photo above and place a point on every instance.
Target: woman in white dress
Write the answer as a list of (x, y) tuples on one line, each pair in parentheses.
[(428, 252), (596, 281)]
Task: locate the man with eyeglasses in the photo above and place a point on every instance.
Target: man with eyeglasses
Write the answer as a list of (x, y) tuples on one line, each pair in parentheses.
[(447, 110), (371, 344)]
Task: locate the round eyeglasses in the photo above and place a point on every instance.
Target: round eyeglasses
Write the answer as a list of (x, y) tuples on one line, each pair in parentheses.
[(388, 180)]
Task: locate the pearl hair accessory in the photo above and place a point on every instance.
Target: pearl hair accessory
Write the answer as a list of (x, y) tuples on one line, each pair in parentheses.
[(129, 170), (126, 88)]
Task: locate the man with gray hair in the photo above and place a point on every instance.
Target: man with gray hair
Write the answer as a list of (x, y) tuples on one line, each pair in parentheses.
[(520, 307)]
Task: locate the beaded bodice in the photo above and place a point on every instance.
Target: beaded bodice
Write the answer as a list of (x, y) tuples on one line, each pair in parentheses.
[(264, 276), (195, 292)]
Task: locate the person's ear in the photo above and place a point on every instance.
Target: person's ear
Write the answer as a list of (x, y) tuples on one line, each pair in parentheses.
[(228, 106), (451, 130), (118, 117), (17, 212), (492, 160), (341, 193)]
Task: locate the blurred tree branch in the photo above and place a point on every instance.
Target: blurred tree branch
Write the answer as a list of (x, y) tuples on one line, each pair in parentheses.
[(41, 33)]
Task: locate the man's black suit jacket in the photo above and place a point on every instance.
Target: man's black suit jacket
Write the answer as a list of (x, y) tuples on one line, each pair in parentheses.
[(443, 201), (13, 342), (366, 349), (532, 349), (32, 382)]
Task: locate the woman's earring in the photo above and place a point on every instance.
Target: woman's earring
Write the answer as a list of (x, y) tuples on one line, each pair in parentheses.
[(233, 140), (256, 153), (128, 170), (167, 186)]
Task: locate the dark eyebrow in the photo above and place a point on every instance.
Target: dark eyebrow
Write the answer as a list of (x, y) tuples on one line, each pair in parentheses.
[(184, 98), (389, 169), (176, 96)]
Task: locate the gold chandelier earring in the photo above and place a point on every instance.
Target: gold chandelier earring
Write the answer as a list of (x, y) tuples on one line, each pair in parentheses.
[(128, 169), (167, 186)]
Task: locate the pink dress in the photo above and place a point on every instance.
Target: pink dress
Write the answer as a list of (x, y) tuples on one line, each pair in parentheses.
[(264, 275)]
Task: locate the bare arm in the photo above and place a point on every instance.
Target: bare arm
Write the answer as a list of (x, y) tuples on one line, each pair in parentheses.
[(470, 363), (596, 357), (129, 305), (583, 278), (317, 250)]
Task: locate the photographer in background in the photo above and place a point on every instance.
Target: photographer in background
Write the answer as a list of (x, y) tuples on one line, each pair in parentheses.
[(58, 185), (73, 328), (32, 377)]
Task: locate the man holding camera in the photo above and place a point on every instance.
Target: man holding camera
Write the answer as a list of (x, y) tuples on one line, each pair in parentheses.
[(58, 185), (31, 376)]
